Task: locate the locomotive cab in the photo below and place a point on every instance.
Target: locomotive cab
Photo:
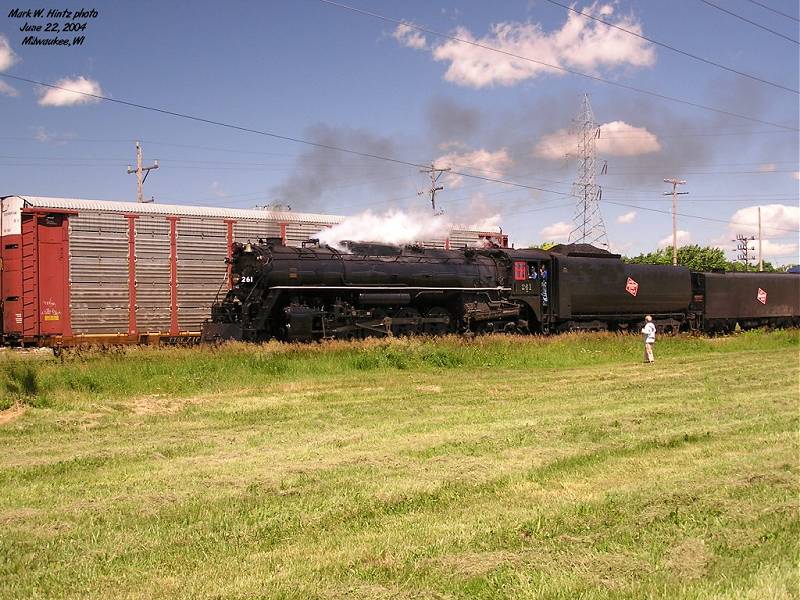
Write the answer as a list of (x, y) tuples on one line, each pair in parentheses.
[(527, 288)]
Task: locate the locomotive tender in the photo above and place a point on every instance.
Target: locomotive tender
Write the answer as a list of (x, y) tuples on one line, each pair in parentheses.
[(318, 292)]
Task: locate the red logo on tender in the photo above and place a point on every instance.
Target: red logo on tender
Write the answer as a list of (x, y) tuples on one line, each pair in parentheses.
[(761, 296), (632, 287)]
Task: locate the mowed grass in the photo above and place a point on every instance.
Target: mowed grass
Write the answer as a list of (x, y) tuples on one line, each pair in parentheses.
[(502, 467)]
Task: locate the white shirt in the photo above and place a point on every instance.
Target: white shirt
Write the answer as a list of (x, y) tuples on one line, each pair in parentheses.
[(649, 331)]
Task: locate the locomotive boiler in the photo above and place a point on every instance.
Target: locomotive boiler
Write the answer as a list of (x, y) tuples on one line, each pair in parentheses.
[(319, 292)]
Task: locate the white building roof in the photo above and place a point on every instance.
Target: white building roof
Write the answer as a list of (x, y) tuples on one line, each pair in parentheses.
[(80, 204), (181, 210), (185, 210)]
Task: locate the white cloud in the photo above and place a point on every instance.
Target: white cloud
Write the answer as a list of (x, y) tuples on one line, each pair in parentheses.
[(451, 145), (8, 90), (43, 136), (494, 164), (620, 248), (628, 217), (617, 138), (767, 168), (778, 252), (557, 232), (580, 43), (489, 223), (684, 238), (7, 56), (478, 214), (776, 220), (778, 246), (217, 190), (410, 37), (67, 97)]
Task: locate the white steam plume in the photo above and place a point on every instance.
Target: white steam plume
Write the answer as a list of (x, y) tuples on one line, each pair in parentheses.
[(393, 227)]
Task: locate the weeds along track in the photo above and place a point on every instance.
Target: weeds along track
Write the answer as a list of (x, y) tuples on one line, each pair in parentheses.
[(126, 371)]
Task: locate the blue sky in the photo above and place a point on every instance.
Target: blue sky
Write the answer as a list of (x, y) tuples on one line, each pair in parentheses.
[(314, 71)]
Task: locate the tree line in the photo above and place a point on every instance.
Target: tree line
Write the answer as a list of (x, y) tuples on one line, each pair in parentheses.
[(694, 257), (698, 258)]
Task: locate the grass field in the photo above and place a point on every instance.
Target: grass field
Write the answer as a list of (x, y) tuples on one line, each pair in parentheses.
[(503, 467)]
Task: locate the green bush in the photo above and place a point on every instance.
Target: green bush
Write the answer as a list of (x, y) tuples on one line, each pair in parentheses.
[(22, 384)]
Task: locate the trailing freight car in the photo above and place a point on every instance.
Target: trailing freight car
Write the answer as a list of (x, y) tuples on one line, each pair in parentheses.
[(596, 290), (747, 299), (86, 271)]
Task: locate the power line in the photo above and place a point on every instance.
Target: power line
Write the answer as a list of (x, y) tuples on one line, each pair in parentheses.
[(114, 163), (552, 66), (673, 48), (701, 218), (324, 146), (189, 117), (671, 134), (777, 12), (270, 134), (776, 171), (71, 161), (746, 20)]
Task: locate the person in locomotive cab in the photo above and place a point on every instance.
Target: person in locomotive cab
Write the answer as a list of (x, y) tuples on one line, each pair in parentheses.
[(649, 333), (543, 277), (532, 275)]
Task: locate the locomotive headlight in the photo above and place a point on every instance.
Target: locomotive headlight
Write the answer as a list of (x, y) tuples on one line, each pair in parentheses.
[(235, 278)]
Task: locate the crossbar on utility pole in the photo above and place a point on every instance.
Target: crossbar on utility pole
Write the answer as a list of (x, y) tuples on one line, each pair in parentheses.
[(744, 249), (139, 170), (675, 183), (435, 174)]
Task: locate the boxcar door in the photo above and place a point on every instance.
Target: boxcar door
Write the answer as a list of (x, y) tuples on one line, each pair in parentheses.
[(53, 274)]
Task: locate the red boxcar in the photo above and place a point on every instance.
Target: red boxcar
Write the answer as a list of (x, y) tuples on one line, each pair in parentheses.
[(89, 271)]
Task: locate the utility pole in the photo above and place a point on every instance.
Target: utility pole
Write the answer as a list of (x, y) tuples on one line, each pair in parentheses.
[(139, 170), (744, 249), (588, 224), (760, 255), (434, 174), (675, 183)]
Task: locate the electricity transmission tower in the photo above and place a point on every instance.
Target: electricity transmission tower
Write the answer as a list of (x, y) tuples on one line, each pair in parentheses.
[(589, 227), (434, 174)]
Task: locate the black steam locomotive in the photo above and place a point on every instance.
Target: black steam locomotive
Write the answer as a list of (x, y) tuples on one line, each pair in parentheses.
[(318, 292)]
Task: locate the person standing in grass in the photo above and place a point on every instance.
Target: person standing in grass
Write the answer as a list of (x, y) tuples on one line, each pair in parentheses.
[(649, 332)]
